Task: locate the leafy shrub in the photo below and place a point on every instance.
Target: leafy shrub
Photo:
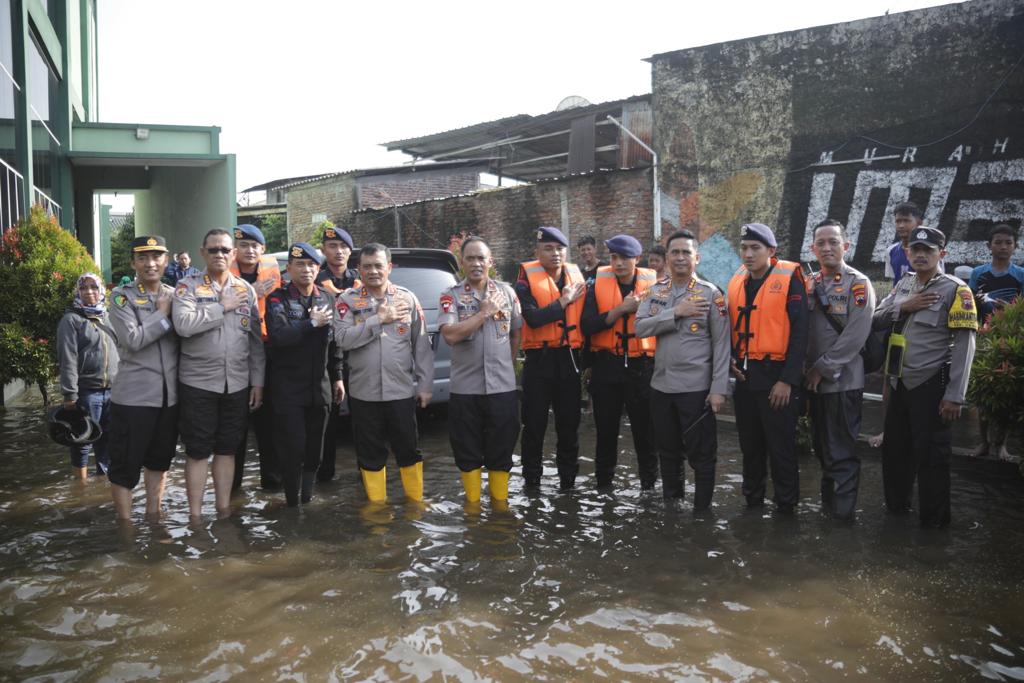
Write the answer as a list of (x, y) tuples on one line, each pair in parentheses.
[(997, 376), (39, 266), (121, 248)]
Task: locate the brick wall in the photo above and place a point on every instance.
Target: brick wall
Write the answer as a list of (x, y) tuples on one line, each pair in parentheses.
[(333, 197), (387, 190), (601, 204)]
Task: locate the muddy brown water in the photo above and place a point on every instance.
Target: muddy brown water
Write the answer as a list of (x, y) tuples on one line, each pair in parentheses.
[(585, 586)]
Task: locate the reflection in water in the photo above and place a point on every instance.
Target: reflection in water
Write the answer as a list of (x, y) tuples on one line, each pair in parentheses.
[(550, 587)]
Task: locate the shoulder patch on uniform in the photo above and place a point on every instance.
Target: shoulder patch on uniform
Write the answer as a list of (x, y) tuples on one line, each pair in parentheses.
[(719, 302), (180, 290), (342, 308), (120, 300), (446, 303), (962, 315), (860, 294)]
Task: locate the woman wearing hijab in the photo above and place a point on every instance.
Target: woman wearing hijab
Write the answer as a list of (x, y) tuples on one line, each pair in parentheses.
[(87, 354)]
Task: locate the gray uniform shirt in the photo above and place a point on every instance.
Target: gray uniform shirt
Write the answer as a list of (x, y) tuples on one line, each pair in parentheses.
[(219, 351), (386, 362), (693, 354), (850, 298), (148, 346), (482, 363), (942, 333)]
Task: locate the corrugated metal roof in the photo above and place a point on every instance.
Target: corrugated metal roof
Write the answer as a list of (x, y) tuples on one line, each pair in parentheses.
[(285, 183)]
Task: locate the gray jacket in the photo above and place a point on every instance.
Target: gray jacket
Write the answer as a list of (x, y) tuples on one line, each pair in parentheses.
[(693, 354), (386, 362), (850, 299), (148, 346), (218, 350), (86, 353), (942, 333)]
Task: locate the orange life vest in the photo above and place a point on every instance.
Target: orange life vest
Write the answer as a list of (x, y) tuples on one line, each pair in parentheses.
[(608, 295), (266, 269), (761, 330), (546, 291)]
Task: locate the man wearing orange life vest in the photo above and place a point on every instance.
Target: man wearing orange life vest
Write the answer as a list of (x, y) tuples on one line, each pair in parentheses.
[(264, 274), (335, 277), (551, 293), (621, 363), (768, 312)]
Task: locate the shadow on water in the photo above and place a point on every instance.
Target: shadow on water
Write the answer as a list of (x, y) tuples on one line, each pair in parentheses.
[(577, 586)]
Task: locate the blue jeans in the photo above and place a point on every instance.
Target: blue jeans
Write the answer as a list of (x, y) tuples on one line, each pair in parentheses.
[(96, 402)]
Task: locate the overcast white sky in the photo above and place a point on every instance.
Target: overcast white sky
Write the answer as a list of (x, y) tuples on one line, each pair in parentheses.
[(305, 87)]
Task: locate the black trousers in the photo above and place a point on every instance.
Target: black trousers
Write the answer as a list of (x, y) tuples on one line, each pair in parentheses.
[(262, 423), (377, 424), (835, 424), (563, 396), (609, 398), (483, 430), (300, 433), (679, 435), (768, 436), (330, 455), (917, 444)]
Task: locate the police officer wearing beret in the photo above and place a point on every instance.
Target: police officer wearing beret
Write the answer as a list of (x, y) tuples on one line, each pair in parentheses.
[(300, 327), (264, 274), (391, 364), (688, 317), (481, 321), (551, 294), (842, 302), (621, 362), (221, 369), (144, 398), (933, 320), (767, 303), (335, 277)]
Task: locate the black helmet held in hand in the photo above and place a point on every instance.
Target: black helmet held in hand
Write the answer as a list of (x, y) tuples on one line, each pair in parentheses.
[(72, 426)]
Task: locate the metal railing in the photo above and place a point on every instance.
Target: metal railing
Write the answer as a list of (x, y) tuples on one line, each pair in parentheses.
[(40, 198), (11, 209)]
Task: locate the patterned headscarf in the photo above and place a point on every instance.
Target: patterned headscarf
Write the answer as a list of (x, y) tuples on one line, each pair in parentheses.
[(100, 307)]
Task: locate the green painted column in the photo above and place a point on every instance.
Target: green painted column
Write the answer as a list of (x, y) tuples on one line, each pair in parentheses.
[(104, 238)]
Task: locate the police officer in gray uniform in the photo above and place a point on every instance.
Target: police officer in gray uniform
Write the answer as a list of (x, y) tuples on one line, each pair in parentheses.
[(481, 320), (221, 369), (928, 366), (144, 397), (842, 302), (691, 369), (391, 366)]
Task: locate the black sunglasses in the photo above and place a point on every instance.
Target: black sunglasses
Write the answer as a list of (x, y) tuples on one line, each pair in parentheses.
[(213, 251)]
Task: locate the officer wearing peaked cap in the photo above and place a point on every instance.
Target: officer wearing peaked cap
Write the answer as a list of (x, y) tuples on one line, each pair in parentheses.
[(768, 313), (551, 292), (622, 362), (335, 277), (300, 326), (933, 321)]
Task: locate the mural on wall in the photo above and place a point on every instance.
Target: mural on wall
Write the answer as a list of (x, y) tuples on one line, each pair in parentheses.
[(964, 188)]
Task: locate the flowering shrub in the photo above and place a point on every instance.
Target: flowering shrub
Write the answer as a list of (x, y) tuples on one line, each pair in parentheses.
[(997, 376), (39, 266)]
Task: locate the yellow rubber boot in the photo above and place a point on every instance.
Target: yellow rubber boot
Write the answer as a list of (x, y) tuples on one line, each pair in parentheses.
[(471, 482), (497, 484), (412, 481), (376, 484)]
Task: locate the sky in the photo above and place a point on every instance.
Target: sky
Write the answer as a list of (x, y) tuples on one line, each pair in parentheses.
[(307, 87)]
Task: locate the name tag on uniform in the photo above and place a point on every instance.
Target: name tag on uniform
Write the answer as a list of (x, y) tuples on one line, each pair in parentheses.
[(839, 308)]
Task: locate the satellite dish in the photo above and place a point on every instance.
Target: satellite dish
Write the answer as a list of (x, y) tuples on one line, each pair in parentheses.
[(572, 102)]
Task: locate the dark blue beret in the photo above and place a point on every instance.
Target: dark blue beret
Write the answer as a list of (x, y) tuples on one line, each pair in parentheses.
[(249, 232), (760, 232), (929, 236), (339, 234), (624, 245), (304, 250), (549, 234)]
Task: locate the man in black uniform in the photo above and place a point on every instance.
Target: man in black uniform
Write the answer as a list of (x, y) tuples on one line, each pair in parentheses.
[(335, 277), (300, 327)]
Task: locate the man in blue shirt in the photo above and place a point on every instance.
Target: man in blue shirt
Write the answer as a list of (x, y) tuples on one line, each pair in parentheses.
[(995, 285), (181, 268)]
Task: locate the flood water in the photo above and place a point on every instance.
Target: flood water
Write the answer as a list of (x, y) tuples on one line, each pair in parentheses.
[(558, 587)]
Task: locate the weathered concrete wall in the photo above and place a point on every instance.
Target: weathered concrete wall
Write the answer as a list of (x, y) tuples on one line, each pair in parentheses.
[(845, 121), (601, 204)]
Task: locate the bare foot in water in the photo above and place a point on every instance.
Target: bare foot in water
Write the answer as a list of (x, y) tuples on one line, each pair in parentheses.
[(876, 440), (981, 451)]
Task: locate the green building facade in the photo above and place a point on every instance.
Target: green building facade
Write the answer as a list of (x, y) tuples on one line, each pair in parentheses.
[(54, 151)]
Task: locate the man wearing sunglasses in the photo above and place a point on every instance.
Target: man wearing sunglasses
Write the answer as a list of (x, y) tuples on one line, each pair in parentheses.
[(221, 370)]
